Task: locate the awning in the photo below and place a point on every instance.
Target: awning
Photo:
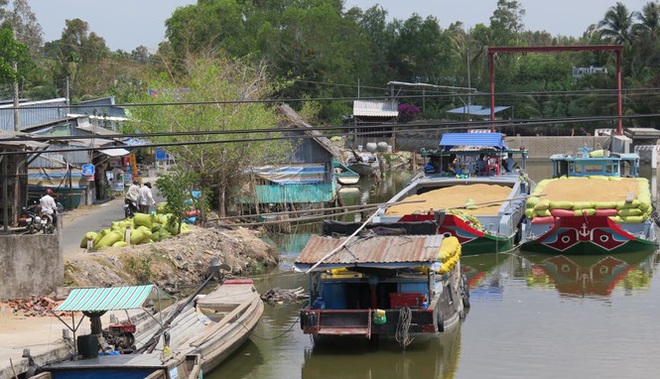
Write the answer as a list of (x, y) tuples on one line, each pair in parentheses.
[(106, 299), (476, 110), (117, 152), (472, 139)]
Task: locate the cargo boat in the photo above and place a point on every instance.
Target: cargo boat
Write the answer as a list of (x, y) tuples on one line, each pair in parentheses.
[(471, 189), (382, 285), (595, 204)]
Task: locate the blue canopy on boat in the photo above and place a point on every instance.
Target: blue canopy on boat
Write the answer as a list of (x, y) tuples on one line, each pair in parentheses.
[(106, 299), (472, 139)]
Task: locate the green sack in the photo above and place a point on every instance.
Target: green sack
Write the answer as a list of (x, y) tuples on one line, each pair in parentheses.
[(142, 219), (83, 243), (110, 238), (119, 244)]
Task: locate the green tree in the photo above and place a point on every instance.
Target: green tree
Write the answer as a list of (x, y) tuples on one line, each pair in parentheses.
[(221, 95), (617, 24), (12, 51), (506, 23)]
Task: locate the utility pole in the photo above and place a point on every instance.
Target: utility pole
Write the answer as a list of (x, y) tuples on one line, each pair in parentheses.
[(17, 121)]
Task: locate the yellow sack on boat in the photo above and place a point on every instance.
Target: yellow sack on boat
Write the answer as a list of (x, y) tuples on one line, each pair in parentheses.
[(529, 213), (584, 212), (597, 153), (627, 212), (626, 205), (583, 205), (561, 205), (543, 204), (633, 219), (450, 247), (605, 204), (531, 202), (543, 212)]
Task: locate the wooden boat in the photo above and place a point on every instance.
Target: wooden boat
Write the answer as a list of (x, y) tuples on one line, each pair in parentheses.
[(345, 175), (467, 193), (191, 337), (364, 163), (149, 366), (595, 204), (390, 286)]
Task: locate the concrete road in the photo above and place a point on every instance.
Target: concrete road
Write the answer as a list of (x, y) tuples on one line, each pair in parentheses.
[(92, 219)]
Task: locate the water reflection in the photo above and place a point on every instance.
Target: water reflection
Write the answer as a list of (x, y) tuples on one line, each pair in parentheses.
[(485, 273), (589, 276), (428, 356)]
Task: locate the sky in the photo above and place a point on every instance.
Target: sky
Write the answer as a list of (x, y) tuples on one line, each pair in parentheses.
[(126, 24)]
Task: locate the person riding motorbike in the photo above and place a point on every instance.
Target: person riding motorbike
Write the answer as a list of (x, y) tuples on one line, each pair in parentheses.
[(132, 197), (48, 205)]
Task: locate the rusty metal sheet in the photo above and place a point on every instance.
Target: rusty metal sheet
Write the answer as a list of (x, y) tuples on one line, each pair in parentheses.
[(377, 249)]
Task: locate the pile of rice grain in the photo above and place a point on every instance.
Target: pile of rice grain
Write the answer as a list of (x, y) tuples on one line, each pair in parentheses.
[(455, 196)]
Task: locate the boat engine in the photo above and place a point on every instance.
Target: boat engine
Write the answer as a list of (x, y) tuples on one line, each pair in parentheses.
[(120, 336)]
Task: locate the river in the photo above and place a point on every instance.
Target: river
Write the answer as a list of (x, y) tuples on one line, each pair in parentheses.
[(532, 316)]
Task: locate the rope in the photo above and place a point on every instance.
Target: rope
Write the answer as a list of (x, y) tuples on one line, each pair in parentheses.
[(403, 327), (253, 334)]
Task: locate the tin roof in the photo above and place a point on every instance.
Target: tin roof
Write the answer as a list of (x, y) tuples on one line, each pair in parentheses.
[(476, 110), (376, 108), (377, 251), (106, 299)]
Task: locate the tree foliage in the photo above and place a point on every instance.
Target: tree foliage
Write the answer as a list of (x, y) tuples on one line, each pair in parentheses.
[(220, 95)]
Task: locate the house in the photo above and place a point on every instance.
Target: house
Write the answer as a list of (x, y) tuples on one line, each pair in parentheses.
[(308, 177), (370, 119)]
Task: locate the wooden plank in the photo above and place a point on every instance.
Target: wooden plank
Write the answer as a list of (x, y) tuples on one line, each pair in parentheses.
[(630, 197), (228, 318)]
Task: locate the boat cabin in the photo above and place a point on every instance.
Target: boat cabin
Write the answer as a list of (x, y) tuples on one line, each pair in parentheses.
[(474, 154), (596, 162), (367, 286)]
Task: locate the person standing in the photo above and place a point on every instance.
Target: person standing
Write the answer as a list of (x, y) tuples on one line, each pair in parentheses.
[(146, 198), (48, 205)]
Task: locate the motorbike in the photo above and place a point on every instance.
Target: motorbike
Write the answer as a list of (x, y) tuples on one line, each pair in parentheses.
[(36, 221), (130, 208), (120, 336)]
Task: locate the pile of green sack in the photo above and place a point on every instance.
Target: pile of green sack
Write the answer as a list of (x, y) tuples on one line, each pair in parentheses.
[(144, 228)]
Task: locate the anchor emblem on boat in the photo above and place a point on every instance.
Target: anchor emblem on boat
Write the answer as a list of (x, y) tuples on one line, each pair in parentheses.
[(584, 231)]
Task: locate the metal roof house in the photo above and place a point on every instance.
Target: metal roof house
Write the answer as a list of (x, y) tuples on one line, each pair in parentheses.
[(373, 112), (308, 177)]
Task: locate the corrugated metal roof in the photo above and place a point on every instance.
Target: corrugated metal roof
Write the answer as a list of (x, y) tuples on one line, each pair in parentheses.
[(377, 251), (476, 110), (387, 108), (472, 139), (297, 121), (30, 145), (54, 109), (105, 299)]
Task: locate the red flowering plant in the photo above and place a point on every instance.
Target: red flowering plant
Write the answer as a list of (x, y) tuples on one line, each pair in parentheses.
[(407, 112)]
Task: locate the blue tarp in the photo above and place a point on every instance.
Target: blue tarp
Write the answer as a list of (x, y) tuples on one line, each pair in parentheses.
[(472, 139), (476, 110)]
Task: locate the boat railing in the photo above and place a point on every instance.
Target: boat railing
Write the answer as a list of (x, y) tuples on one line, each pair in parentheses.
[(339, 321)]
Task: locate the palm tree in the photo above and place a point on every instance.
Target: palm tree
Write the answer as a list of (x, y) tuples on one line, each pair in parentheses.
[(617, 24), (649, 19)]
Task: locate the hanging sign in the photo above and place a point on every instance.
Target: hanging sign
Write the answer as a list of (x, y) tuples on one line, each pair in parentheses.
[(88, 169)]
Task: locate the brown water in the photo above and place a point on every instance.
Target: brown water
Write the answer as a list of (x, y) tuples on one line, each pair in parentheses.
[(532, 316)]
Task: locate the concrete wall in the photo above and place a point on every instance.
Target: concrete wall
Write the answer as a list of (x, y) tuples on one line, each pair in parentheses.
[(31, 264)]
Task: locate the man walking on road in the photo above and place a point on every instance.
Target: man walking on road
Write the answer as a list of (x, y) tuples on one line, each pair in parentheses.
[(146, 198)]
